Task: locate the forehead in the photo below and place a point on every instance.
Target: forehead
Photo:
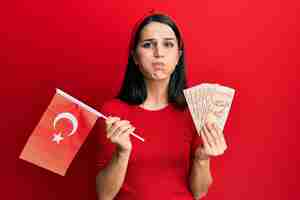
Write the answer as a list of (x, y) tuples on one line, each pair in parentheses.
[(156, 30)]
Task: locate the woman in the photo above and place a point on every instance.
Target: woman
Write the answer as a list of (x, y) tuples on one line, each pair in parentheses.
[(173, 162)]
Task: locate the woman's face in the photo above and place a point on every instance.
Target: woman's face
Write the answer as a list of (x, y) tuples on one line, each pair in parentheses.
[(157, 52)]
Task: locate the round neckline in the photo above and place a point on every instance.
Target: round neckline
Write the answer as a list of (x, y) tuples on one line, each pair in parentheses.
[(157, 110)]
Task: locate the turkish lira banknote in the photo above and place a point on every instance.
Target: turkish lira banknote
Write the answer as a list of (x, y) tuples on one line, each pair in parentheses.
[(209, 102)]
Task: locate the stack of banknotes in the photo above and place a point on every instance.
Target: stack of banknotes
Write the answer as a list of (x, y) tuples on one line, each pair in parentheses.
[(209, 103)]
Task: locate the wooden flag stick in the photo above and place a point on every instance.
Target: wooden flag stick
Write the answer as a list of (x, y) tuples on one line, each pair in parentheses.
[(90, 109)]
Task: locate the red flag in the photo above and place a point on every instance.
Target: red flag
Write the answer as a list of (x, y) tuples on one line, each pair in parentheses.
[(58, 136)]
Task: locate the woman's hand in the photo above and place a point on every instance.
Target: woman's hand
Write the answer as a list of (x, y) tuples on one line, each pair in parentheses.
[(214, 143), (118, 131)]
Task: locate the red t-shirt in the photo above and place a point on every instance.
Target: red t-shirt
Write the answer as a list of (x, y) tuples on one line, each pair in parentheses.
[(158, 168)]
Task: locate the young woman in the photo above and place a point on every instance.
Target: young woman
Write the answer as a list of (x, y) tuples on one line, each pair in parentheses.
[(173, 162)]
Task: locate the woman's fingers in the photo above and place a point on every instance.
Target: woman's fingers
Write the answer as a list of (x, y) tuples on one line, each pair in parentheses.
[(213, 134), (123, 127), (127, 132), (122, 134), (207, 141), (213, 138), (204, 138), (217, 148), (117, 131), (115, 126), (216, 134), (209, 137), (109, 122), (221, 138)]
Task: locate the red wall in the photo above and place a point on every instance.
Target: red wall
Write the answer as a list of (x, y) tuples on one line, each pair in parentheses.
[(81, 47)]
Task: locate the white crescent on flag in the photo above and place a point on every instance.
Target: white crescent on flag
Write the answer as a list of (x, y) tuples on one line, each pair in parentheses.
[(70, 117)]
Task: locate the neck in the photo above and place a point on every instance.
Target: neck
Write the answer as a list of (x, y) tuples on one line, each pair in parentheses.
[(157, 93)]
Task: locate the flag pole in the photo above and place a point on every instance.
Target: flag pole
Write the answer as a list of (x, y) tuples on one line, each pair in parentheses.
[(90, 109)]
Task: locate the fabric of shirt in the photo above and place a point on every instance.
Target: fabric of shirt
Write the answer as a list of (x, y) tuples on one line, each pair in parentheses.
[(158, 168)]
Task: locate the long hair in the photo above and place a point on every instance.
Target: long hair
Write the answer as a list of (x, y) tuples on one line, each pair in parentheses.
[(133, 89)]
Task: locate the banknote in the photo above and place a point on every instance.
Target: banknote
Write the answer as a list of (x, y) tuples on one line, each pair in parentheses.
[(209, 102)]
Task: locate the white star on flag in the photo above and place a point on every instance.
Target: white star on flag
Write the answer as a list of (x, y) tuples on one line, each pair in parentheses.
[(57, 138)]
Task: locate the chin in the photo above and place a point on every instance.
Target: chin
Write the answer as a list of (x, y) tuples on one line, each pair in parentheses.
[(157, 78), (161, 78)]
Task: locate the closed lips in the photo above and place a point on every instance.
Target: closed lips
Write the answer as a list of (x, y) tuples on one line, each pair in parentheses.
[(158, 64)]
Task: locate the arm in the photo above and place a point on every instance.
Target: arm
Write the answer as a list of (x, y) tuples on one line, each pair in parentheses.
[(200, 177), (214, 144), (111, 178)]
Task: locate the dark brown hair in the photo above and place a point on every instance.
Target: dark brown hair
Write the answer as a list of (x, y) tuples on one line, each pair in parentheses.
[(133, 89)]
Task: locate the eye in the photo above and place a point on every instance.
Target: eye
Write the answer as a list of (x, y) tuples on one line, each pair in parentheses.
[(169, 44), (147, 45)]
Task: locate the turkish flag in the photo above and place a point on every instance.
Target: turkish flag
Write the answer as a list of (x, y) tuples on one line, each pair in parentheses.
[(58, 136)]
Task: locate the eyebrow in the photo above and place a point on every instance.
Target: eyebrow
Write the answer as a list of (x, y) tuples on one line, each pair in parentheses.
[(152, 39)]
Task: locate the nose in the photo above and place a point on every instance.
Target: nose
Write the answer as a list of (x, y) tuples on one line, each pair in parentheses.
[(158, 51)]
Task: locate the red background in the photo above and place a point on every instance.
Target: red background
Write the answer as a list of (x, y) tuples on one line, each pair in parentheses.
[(81, 47)]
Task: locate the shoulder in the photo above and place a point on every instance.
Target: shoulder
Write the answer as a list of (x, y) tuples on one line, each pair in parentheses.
[(114, 107), (184, 112), (187, 117)]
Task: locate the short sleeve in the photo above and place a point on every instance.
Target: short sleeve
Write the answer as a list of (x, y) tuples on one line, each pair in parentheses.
[(196, 142), (196, 139), (104, 148)]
